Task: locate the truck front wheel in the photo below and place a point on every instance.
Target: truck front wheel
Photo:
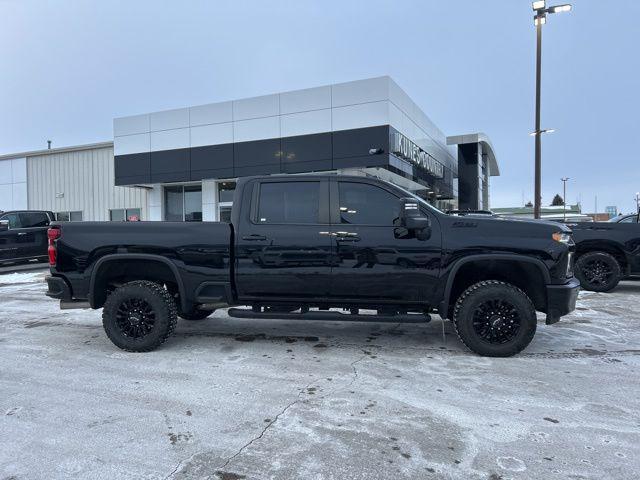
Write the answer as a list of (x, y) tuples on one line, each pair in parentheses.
[(494, 319), (139, 316), (598, 271)]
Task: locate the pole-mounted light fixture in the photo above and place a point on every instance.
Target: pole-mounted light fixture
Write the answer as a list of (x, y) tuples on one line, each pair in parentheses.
[(544, 130), (564, 198), (540, 18)]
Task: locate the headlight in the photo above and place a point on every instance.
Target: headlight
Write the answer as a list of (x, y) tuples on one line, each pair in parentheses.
[(562, 237)]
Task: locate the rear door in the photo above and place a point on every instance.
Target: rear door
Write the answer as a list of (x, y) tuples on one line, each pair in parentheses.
[(283, 246), (375, 262), (33, 233)]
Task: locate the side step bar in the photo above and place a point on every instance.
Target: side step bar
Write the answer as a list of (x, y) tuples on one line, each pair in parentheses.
[(329, 316), (73, 304)]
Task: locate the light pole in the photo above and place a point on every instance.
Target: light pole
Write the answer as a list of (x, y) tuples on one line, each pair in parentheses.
[(539, 19), (638, 205), (564, 198)]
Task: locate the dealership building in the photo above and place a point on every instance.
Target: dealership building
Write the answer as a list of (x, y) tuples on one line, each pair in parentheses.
[(182, 164)]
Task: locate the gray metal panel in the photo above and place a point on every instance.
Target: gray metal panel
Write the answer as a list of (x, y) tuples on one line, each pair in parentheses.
[(85, 178)]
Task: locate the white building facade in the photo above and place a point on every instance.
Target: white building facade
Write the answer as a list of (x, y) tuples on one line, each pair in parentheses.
[(182, 164)]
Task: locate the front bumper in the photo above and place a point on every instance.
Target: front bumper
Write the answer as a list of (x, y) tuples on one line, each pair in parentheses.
[(58, 288), (561, 299)]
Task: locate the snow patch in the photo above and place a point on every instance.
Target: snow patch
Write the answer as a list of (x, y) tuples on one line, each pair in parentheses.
[(26, 277)]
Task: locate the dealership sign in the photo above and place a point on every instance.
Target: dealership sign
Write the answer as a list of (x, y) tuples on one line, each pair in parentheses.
[(404, 148)]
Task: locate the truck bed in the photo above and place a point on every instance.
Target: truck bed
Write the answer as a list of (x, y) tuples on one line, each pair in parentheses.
[(200, 251)]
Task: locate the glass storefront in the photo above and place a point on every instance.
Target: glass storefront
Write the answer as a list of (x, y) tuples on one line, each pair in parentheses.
[(226, 190), (183, 203)]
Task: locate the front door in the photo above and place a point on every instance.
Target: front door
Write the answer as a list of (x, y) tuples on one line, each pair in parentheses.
[(283, 242), (9, 239), (374, 262)]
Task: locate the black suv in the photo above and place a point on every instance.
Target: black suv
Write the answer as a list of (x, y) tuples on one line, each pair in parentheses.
[(23, 235)]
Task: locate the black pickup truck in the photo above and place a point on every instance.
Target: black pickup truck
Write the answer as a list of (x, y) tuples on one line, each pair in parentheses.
[(305, 242), (23, 235), (607, 252)]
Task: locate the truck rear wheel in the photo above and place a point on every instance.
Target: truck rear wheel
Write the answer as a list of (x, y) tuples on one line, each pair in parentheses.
[(598, 271), (139, 316), (494, 319)]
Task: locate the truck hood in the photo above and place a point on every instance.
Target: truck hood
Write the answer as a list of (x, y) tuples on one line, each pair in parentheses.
[(503, 228)]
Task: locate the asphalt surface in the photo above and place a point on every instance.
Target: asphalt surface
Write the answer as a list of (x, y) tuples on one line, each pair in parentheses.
[(21, 267), (232, 399)]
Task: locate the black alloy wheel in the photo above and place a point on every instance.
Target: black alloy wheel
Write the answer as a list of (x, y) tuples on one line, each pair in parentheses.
[(494, 319), (598, 271), (139, 316), (135, 318)]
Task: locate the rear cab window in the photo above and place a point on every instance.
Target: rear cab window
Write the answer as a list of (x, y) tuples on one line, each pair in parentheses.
[(33, 219), (289, 203)]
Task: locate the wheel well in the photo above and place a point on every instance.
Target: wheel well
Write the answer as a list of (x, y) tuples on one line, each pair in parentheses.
[(613, 250), (114, 273), (524, 275)]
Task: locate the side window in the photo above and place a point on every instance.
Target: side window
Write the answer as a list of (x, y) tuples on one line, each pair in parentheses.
[(363, 204), (289, 202), (14, 220), (34, 219), (117, 215), (631, 219)]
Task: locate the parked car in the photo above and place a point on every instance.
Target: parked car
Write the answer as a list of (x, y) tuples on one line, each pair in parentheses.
[(606, 252), (23, 235), (631, 218), (488, 275)]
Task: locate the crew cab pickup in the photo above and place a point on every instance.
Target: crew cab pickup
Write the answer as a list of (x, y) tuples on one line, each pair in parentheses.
[(23, 235), (300, 243), (607, 252)]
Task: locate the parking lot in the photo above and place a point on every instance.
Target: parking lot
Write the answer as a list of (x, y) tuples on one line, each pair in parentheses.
[(232, 399)]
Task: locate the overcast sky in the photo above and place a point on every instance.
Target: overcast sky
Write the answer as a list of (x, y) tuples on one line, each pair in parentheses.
[(68, 67)]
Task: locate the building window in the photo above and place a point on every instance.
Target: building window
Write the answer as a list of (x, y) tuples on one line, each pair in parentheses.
[(124, 215), (183, 203), (226, 191), (69, 216), (225, 214)]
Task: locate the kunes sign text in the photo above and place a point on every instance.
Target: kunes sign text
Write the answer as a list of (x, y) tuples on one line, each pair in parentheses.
[(405, 148)]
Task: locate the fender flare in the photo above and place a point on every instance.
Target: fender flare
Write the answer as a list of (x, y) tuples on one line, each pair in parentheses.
[(136, 256), (443, 308)]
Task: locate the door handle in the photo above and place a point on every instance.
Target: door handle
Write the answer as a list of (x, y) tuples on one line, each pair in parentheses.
[(254, 237), (21, 233), (347, 237)]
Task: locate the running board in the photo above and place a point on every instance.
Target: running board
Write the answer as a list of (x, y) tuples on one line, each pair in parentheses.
[(73, 304), (329, 316)]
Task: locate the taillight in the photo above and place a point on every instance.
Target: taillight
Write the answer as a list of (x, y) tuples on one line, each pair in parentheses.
[(53, 234)]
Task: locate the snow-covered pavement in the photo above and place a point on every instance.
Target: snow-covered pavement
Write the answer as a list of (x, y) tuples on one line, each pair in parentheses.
[(232, 399)]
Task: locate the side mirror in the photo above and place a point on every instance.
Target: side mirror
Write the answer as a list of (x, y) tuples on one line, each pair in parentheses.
[(4, 225), (413, 220)]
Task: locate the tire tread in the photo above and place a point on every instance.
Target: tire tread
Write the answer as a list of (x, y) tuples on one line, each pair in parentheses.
[(156, 289), (474, 288)]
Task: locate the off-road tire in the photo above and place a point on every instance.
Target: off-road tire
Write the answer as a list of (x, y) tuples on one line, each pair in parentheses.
[(605, 260), (474, 300), (195, 314), (158, 301)]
